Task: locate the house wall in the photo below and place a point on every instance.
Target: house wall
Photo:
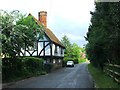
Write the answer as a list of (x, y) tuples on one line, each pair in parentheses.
[(40, 44), (37, 50), (47, 49), (58, 51), (40, 47), (57, 63)]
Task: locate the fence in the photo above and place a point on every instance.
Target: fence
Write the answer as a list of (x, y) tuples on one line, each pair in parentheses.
[(113, 71)]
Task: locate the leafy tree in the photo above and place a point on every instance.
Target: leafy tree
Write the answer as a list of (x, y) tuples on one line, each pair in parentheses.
[(72, 51), (10, 32), (103, 34), (75, 54), (65, 41), (33, 31), (16, 31)]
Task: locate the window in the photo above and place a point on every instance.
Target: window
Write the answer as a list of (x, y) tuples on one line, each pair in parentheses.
[(59, 60), (53, 61), (61, 51), (55, 49)]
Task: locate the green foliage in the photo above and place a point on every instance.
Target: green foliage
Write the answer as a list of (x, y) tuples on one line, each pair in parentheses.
[(103, 35), (81, 60), (73, 51), (101, 79), (33, 31), (67, 54), (17, 31), (65, 41), (10, 33), (75, 54), (21, 67), (33, 64)]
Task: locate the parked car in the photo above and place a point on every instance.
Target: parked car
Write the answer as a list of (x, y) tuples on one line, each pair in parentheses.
[(70, 63)]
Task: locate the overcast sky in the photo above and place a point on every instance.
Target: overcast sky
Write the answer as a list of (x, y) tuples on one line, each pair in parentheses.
[(65, 17)]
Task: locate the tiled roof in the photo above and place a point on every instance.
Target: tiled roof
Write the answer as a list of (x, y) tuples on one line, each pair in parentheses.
[(49, 33)]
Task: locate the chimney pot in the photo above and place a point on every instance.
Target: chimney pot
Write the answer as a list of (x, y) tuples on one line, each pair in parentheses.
[(42, 17)]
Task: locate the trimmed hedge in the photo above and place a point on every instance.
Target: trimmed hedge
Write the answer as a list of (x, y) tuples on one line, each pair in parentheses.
[(33, 65), (21, 67)]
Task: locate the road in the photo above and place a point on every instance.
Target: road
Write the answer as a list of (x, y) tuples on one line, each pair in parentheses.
[(67, 77)]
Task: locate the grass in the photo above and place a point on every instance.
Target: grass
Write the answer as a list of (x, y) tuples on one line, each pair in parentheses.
[(101, 79)]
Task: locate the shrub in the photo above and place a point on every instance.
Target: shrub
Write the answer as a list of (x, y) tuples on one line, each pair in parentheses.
[(75, 61), (11, 68), (33, 64), (21, 67)]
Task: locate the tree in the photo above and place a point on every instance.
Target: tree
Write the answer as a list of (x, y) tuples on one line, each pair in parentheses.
[(72, 51), (10, 33), (103, 34), (33, 31), (65, 41), (16, 31), (75, 54)]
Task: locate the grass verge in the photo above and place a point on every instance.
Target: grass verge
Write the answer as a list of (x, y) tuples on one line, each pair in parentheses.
[(101, 79)]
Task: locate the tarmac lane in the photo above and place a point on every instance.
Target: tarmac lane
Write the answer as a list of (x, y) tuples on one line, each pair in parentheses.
[(67, 77)]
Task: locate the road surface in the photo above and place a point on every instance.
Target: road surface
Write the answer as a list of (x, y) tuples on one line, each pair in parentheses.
[(67, 77)]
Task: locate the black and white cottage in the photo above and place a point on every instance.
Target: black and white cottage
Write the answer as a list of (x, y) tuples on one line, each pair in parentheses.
[(49, 47)]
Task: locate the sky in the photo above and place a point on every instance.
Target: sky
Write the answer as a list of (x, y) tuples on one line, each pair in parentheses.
[(64, 17)]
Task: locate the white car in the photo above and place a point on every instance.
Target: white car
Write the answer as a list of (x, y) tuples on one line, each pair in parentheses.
[(70, 63)]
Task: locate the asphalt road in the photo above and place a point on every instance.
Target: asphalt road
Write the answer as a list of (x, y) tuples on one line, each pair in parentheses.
[(68, 77)]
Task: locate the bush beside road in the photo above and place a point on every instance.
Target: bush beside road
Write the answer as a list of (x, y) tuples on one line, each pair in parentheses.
[(21, 68)]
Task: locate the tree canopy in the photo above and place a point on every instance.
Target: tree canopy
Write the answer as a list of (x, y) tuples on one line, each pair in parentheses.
[(103, 34), (17, 30), (72, 51)]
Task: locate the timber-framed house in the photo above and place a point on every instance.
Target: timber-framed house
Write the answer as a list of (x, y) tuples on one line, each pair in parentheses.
[(48, 47)]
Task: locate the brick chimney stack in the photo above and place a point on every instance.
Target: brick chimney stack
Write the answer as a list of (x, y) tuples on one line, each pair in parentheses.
[(42, 17)]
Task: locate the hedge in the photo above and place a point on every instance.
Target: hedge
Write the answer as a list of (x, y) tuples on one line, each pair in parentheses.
[(21, 67)]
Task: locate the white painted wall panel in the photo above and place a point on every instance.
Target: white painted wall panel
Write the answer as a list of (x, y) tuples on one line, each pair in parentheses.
[(40, 46), (47, 50), (35, 53), (58, 51), (22, 51), (53, 49), (27, 54)]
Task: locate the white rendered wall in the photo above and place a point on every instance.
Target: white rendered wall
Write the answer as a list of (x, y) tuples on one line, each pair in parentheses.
[(40, 47)]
